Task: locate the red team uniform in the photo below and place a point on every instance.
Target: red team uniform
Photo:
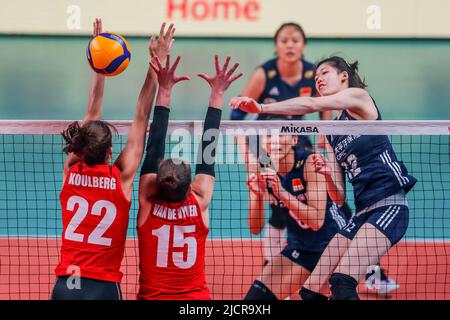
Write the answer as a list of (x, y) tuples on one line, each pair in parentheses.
[(172, 252), (95, 215)]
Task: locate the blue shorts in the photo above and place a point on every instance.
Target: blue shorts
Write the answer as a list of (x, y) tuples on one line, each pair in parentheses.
[(306, 259), (392, 221)]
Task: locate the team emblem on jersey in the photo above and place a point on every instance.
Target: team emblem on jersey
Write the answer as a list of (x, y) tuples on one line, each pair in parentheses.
[(271, 74), (295, 254), (299, 164), (306, 92), (274, 91), (297, 185), (308, 74)]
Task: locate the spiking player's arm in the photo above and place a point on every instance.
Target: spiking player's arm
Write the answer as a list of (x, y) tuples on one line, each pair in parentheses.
[(355, 100)]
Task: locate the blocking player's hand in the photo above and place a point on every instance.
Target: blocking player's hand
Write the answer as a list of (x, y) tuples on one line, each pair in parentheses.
[(221, 81), (223, 77), (161, 48), (166, 75), (97, 27)]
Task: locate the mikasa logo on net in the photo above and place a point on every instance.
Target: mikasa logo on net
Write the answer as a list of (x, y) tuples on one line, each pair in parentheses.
[(296, 129)]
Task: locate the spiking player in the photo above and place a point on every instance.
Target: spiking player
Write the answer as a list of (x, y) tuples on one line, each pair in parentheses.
[(380, 180)]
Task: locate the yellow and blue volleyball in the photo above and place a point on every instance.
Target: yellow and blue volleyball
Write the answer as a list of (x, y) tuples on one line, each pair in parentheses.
[(108, 54)]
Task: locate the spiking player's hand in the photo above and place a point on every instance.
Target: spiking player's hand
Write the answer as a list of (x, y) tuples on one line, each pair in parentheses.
[(161, 48), (246, 104)]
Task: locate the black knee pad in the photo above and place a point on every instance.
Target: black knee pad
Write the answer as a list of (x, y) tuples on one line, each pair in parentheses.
[(259, 291), (343, 287), (309, 295)]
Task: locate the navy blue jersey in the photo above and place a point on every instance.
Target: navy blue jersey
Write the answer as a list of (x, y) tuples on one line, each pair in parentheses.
[(371, 165), (300, 235), (278, 90)]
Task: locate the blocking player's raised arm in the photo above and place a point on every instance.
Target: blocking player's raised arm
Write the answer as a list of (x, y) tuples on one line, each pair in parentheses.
[(95, 99), (203, 183), (158, 130), (130, 158)]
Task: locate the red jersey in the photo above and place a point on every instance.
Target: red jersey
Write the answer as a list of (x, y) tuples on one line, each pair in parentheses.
[(172, 252), (95, 215)]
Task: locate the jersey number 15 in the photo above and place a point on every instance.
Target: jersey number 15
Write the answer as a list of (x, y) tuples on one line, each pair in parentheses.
[(179, 241)]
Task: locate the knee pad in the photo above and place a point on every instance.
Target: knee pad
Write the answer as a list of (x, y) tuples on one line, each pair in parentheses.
[(309, 295), (259, 291), (343, 287)]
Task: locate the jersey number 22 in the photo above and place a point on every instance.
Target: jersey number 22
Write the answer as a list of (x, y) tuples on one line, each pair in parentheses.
[(96, 236)]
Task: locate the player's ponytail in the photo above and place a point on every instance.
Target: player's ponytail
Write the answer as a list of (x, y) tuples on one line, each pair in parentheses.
[(174, 180), (73, 138), (354, 80), (90, 141)]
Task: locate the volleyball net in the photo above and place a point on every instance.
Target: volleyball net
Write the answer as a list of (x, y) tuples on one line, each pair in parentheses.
[(31, 166)]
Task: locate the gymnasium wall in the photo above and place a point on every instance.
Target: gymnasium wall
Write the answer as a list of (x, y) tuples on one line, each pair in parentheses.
[(250, 18), (44, 77)]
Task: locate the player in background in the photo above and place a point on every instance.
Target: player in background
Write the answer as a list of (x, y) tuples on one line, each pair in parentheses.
[(173, 210), (298, 193), (286, 76)]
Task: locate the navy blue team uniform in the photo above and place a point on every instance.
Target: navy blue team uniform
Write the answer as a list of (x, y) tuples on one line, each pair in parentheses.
[(278, 90), (380, 182), (305, 246)]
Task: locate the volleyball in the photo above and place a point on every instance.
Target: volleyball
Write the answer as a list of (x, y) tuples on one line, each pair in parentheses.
[(108, 54)]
